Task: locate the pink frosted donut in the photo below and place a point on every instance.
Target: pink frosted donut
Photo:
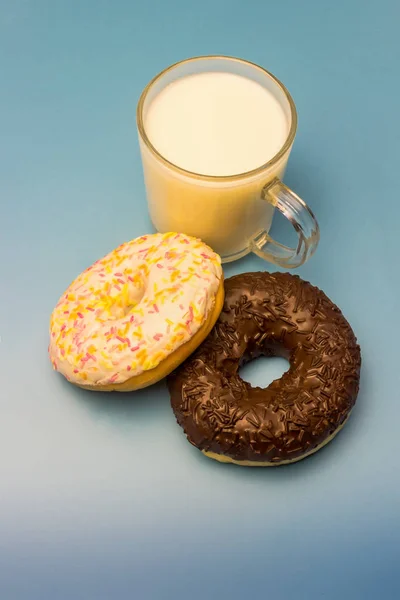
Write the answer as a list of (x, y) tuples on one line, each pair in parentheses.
[(142, 305)]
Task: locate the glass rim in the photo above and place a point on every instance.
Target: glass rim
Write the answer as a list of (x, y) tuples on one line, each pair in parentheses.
[(272, 161)]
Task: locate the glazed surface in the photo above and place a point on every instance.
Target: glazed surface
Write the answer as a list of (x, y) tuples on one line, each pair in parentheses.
[(134, 307), (271, 315)]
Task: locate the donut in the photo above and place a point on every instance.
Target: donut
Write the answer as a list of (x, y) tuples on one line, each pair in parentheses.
[(137, 313), (267, 314)]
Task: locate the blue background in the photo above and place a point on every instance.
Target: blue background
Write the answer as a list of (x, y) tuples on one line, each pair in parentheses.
[(101, 496)]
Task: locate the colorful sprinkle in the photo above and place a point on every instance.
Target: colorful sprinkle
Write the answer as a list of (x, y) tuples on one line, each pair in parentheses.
[(112, 309)]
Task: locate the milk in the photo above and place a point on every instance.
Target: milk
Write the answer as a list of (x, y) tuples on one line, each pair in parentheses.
[(213, 124), (216, 124)]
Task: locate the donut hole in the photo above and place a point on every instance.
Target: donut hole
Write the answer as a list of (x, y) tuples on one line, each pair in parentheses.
[(262, 371), (121, 304)]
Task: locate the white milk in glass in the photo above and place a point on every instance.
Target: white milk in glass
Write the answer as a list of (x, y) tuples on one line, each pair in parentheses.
[(213, 124)]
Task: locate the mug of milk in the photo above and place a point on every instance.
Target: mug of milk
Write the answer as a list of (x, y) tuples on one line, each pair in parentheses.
[(215, 134)]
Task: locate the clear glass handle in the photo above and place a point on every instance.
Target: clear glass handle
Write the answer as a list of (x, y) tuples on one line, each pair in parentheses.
[(302, 219)]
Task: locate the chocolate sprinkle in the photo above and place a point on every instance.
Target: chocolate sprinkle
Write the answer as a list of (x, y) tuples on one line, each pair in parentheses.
[(269, 315)]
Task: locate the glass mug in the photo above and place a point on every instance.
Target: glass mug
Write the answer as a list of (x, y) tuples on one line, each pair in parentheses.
[(231, 213)]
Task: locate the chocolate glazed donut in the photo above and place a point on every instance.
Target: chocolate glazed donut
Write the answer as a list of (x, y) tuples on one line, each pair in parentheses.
[(269, 315)]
